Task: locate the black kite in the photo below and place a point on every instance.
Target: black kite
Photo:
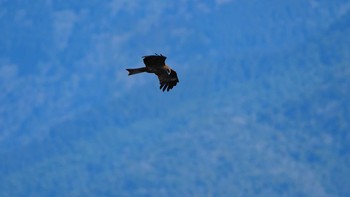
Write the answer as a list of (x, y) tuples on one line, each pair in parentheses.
[(156, 64)]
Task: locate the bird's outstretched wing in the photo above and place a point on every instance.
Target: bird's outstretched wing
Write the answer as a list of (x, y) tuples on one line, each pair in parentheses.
[(167, 81), (154, 60)]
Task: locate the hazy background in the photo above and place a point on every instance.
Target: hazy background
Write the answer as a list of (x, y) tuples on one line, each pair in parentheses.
[(262, 107)]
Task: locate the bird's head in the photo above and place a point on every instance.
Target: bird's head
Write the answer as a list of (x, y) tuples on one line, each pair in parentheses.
[(167, 69)]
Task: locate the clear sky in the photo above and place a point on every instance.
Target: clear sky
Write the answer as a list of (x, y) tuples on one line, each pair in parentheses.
[(261, 108)]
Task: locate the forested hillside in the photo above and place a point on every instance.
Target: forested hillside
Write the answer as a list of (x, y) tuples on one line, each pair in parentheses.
[(262, 107)]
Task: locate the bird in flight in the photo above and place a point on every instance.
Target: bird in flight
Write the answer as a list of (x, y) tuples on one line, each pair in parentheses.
[(156, 64)]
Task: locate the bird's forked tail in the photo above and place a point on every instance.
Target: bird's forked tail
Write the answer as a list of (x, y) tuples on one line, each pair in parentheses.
[(133, 71)]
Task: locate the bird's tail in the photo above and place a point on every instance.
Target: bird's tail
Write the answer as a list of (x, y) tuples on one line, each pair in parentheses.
[(136, 70)]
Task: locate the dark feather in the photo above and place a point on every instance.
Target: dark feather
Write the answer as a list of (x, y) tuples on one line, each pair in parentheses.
[(167, 82), (154, 60)]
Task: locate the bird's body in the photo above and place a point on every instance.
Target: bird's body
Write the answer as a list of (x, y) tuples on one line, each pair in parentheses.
[(156, 64)]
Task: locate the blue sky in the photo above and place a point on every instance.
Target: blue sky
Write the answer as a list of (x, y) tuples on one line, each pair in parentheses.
[(261, 108)]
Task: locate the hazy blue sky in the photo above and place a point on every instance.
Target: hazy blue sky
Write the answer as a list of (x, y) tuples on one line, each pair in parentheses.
[(262, 107)]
